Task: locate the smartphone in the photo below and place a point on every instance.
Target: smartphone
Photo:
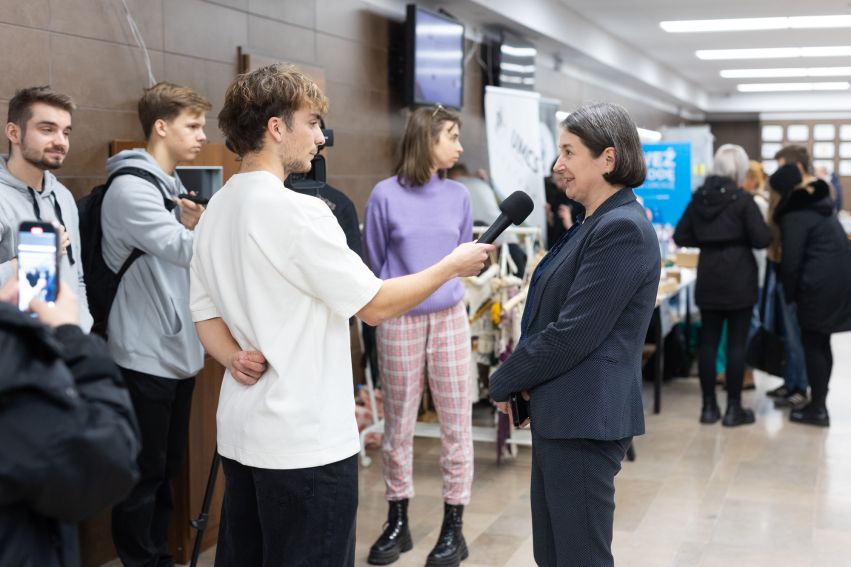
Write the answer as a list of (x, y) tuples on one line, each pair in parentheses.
[(519, 408), (38, 263)]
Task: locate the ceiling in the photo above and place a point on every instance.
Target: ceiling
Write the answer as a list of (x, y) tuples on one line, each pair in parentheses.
[(637, 23)]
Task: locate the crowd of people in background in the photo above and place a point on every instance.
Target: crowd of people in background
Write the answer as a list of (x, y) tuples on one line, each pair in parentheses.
[(801, 281)]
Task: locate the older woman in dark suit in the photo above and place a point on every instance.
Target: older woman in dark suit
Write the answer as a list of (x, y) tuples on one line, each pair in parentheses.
[(579, 358)]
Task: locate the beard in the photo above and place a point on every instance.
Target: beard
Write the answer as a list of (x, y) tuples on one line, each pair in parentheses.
[(294, 166), (39, 158)]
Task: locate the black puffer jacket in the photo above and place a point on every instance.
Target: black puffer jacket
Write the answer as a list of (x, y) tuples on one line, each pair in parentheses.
[(725, 223), (68, 438), (816, 264)]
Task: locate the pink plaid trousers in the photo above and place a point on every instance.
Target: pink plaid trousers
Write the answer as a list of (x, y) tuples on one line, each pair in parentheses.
[(405, 345)]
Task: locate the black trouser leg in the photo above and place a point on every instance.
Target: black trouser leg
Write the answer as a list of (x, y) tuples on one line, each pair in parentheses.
[(240, 534), (712, 322), (819, 361), (738, 327), (140, 522), (303, 516), (573, 500)]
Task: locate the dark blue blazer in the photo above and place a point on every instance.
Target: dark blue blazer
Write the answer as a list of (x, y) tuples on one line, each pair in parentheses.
[(580, 358)]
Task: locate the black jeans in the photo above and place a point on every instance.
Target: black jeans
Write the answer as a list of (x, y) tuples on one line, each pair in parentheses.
[(140, 523), (293, 518), (738, 325), (573, 500), (819, 361)]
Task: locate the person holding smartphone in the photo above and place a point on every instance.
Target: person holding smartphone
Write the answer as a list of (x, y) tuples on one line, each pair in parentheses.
[(151, 336), (39, 133), (68, 438)]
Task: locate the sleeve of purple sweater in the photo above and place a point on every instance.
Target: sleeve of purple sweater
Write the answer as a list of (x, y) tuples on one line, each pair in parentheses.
[(374, 233)]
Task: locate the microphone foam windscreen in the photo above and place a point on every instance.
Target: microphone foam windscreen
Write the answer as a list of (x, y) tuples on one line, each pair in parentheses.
[(517, 206)]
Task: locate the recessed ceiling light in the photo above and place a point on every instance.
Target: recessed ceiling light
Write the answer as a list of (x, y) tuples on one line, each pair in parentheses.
[(751, 24), (786, 72), (787, 87), (774, 52)]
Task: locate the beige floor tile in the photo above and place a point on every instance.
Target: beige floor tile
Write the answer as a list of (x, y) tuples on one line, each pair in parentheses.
[(773, 494)]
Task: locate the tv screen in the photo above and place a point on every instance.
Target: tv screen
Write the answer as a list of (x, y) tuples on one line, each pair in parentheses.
[(204, 180), (435, 59), (511, 62)]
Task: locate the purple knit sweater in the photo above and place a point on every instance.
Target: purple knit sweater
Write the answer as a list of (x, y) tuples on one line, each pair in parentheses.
[(407, 229)]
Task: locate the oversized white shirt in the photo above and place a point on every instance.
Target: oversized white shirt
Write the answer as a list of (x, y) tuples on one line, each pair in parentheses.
[(274, 265)]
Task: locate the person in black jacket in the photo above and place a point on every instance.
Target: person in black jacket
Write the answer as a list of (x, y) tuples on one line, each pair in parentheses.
[(725, 223), (816, 273), (68, 436)]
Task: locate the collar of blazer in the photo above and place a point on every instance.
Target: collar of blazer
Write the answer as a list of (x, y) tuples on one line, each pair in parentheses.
[(622, 197)]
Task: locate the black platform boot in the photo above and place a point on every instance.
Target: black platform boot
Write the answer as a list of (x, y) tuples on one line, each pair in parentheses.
[(710, 412), (737, 415), (451, 548), (396, 538)]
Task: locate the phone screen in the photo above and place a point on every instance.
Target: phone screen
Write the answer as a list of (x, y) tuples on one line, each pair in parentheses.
[(37, 265)]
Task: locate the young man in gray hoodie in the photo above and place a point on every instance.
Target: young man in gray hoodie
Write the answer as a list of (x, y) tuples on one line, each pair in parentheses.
[(151, 335), (39, 133)]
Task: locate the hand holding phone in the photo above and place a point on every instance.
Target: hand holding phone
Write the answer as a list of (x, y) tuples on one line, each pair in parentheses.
[(38, 263)]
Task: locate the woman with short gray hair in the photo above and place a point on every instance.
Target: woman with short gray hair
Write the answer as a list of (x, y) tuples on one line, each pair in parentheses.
[(725, 223)]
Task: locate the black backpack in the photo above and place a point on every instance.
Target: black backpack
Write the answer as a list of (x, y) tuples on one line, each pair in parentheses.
[(101, 282)]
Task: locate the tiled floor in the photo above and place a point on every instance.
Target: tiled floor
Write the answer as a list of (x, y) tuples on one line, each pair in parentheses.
[(774, 494)]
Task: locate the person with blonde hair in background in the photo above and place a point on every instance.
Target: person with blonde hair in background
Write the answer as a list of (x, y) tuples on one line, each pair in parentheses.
[(755, 184)]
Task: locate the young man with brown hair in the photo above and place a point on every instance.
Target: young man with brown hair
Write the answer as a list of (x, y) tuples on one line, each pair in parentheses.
[(272, 272), (39, 133), (151, 336)]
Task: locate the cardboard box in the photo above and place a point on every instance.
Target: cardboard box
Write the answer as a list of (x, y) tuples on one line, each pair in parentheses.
[(687, 257)]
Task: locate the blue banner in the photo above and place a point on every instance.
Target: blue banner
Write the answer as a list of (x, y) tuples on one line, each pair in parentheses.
[(667, 190)]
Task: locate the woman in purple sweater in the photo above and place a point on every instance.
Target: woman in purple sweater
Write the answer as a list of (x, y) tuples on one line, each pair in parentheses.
[(412, 220)]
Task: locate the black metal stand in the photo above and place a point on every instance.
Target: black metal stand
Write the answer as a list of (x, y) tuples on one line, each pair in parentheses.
[(200, 523)]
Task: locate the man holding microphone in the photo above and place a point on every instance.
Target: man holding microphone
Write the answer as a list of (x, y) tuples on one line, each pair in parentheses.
[(272, 274)]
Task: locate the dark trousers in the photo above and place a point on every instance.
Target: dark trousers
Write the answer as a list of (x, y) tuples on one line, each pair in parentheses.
[(573, 500), (140, 523), (293, 518), (738, 325), (819, 361)]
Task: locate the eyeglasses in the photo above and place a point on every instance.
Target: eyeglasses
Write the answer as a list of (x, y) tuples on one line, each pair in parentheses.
[(437, 109)]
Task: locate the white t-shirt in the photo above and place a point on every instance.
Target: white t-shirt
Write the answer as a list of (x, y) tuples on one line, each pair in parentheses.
[(274, 265)]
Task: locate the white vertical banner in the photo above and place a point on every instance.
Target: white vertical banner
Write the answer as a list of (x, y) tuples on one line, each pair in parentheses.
[(512, 119)]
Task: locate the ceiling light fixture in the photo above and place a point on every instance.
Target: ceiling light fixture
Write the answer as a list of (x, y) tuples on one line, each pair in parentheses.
[(752, 24), (786, 72), (789, 87), (774, 52)]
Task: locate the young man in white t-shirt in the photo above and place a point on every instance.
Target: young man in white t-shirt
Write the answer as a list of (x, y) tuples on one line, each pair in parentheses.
[(273, 285)]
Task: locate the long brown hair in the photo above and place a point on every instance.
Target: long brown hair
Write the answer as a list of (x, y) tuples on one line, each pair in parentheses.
[(414, 161)]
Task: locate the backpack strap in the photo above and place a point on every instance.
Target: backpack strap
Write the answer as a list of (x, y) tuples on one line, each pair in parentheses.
[(147, 176), (167, 203)]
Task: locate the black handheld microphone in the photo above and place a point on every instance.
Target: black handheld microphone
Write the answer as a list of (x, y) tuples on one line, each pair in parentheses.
[(515, 208)]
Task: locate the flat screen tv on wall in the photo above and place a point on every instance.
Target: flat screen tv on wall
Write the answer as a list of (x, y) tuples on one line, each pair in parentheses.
[(434, 61)]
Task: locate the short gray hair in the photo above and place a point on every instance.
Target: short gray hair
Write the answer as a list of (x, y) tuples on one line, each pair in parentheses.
[(606, 125), (731, 161)]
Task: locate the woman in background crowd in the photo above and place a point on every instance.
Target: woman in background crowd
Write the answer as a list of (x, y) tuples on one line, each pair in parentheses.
[(816, 275), (725, 223)]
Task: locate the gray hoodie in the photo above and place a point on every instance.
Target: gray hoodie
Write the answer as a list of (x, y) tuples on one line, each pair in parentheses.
[(150, 326), (16, 205)]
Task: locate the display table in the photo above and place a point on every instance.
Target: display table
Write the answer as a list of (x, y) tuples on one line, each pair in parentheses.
[(673, 304)]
